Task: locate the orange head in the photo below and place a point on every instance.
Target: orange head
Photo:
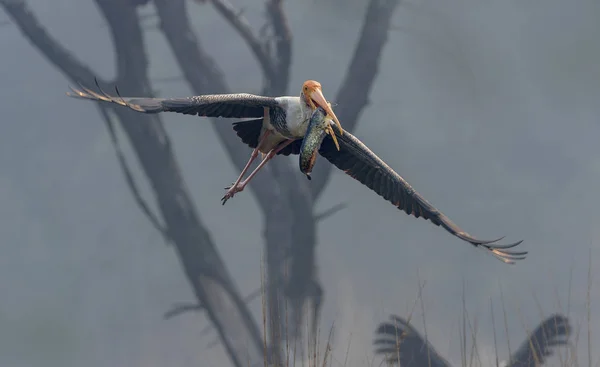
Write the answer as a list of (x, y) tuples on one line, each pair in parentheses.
[(313, 96)]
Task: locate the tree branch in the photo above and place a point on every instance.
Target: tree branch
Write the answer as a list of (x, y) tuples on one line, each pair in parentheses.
[(204, 77), (292, 214), (290, 225), (202, 264), (331, 211), (153, 218), (212, 284), (286, 202), (76, 71), (55, 52), (303, 282), (353, 95), (361, 72), (283, 46), (290, 229), (181, 308), (241, 25), (169, 79), (289, 270)]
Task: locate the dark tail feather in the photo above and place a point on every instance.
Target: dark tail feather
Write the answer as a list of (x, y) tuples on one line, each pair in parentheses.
[(249, 131)]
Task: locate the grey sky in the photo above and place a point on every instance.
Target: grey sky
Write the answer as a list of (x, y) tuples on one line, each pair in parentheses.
[(488, 108)]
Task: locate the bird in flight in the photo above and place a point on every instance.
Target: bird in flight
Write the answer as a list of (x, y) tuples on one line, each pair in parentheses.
[(276, 125), (280, 125), (353, 157)]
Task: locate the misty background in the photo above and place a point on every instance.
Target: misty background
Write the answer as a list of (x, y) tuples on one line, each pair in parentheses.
[(488, 108)]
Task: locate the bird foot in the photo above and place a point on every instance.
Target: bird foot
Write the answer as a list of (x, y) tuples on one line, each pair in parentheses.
[(232, 190)]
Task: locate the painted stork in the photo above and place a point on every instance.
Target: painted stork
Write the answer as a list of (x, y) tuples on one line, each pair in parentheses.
[(277, 127), (353, 157)]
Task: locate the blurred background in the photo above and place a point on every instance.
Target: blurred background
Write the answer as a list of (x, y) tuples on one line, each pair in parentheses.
[(488, 108)]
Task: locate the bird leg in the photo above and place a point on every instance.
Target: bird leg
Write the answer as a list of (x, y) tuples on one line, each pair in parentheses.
[(253, 156), (240, 185)]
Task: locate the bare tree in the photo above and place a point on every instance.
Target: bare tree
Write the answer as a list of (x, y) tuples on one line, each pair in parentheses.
[(202, 264), (287, 201)]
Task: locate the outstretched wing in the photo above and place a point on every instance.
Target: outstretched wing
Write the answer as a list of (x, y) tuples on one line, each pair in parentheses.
[(240, 105), (550, 333), (359, 162), (402, 344)]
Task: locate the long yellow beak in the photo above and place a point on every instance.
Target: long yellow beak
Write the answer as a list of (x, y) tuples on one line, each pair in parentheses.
[(317, 96)]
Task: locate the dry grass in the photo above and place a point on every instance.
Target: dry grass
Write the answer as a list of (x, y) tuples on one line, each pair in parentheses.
[(470, 355)]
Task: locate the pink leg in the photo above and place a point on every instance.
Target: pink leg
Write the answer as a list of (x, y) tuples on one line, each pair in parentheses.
[(252, 158), (239, 186)]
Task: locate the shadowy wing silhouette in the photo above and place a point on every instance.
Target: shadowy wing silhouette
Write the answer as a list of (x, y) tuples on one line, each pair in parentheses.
[(402, 344), (550, 333), (398, 340)]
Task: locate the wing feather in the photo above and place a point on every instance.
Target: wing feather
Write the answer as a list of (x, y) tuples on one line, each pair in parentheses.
[(239, 105), (404, 346), (359, 162), (550, 333)]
